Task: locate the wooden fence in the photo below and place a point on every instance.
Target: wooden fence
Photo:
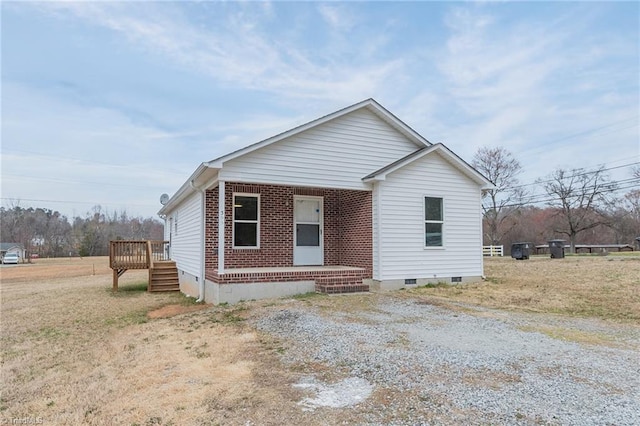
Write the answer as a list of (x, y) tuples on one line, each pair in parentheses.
[(493, 251)]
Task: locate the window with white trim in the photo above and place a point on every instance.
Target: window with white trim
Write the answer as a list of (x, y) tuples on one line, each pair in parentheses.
[(433, 222), (246, 220)]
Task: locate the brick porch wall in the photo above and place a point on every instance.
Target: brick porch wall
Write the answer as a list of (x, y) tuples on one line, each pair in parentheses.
[(347, 227), (211, 229), (349, 276), (356, 230)]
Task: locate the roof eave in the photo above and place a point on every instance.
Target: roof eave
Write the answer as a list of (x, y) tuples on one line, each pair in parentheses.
[(197, 178), (460, 164), (371, 104)]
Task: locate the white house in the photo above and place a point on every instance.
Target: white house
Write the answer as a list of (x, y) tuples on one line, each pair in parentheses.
[(352, 201), (17, 248)]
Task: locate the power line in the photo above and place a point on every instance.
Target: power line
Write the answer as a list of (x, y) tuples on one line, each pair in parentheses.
[(538, 182), (630, 183), (49, 179), (586, 132), (94, 203), (80, 160)]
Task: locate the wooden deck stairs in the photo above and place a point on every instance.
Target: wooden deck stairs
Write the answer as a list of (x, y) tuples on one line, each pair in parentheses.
[(151, 255), (164, 276)]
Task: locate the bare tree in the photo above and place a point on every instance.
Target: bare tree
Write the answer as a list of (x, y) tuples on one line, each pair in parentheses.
[(578, 197), (500, 205)]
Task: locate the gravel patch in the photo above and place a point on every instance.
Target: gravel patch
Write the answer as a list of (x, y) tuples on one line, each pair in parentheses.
[(431, 365)]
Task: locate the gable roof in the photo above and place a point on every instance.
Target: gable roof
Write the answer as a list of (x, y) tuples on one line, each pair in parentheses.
[(207, 171), (9, 246), (440, 148), (369, 104)]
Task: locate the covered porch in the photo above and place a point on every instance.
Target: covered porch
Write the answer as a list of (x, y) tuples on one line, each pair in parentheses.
[(277, 236)]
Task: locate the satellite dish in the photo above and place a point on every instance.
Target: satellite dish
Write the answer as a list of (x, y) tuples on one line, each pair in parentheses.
[(164, 198)]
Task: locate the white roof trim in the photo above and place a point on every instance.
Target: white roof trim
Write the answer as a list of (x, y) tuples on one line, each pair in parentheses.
[(211, 168), (449, 155), (187, 189), (370, 104)]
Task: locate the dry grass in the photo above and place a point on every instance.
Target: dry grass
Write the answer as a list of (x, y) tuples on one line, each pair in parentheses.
[(605, 287), (40, 269), (75, 353)]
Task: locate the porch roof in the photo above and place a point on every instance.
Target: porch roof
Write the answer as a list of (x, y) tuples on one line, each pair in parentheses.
[(440, 148)]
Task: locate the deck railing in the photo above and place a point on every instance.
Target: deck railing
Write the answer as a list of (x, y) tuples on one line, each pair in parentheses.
[(125, 255), (136, 254), (159, 250)]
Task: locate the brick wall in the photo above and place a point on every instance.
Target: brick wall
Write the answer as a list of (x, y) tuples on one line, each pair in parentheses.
[(276, 228), (356, 232), (211, 229), (347, 227)]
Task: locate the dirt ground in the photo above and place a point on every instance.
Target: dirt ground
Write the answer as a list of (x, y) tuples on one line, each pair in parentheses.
[(73, 352)]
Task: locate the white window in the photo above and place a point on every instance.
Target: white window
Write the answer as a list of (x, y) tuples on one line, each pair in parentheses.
[(433, 222), (175, 223), (246, 220)]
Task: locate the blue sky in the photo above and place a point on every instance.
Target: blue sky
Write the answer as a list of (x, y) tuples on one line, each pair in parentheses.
[(116, 103)]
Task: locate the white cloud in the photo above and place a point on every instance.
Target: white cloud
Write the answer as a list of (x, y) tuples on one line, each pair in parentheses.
[(237, 51), (523, 83), (496, 79), (337, 16)]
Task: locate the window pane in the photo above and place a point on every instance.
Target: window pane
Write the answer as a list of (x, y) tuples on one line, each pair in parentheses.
[(308, 235), (245, 234), (433, 235), (432, 208), (245, 208)]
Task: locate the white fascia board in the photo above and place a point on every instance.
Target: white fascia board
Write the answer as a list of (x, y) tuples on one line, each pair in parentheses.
[(441, 149), (465, 167), (382, 173), (398, 124), (203, 177), (371, 104)]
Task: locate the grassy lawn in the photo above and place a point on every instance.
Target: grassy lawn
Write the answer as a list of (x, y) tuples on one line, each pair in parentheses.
[(73, 352), (605, 287)]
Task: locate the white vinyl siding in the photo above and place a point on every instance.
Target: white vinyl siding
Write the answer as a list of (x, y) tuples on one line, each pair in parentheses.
[(185, 244), (167, 228), (402, 243), (336, 154)]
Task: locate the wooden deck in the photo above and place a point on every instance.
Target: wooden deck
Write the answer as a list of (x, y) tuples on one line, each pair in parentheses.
[(151, 255)]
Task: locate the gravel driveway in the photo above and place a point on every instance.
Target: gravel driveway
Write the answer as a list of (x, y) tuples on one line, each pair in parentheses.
[(405, 362)]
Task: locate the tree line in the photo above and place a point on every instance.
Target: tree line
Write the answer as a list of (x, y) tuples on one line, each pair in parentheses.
[(48, 233), (578, 205)]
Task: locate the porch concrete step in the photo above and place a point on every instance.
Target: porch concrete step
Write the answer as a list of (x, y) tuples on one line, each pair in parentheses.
[(341, 284)]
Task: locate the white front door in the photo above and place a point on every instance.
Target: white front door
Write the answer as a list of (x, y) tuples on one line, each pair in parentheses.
[(307, 231)]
